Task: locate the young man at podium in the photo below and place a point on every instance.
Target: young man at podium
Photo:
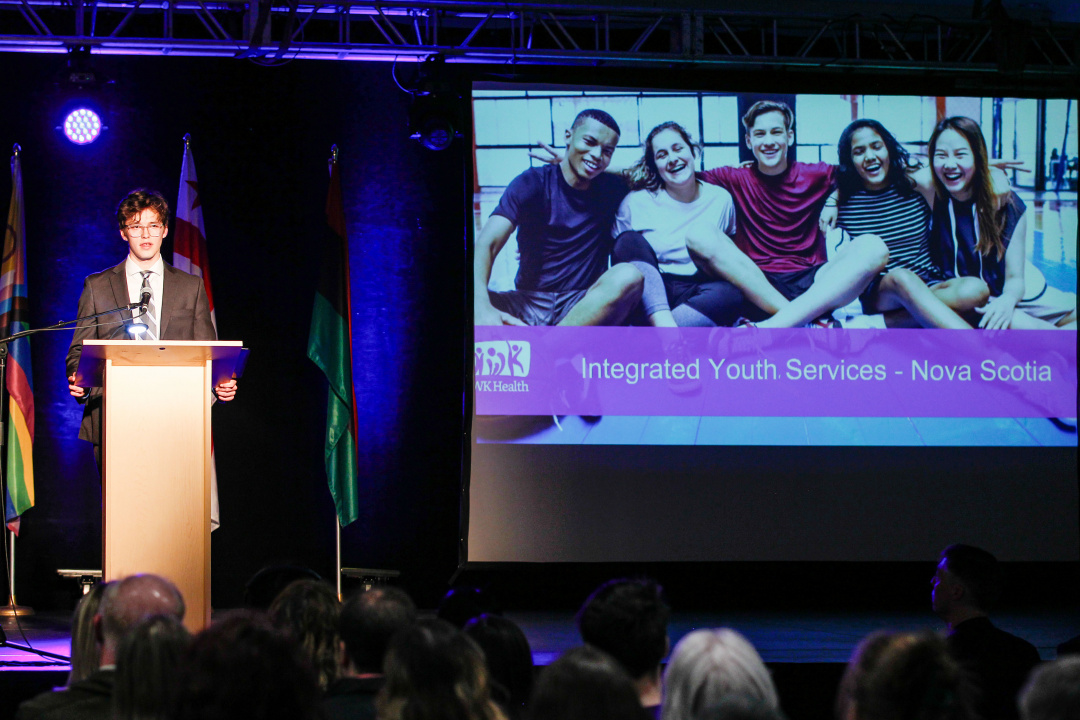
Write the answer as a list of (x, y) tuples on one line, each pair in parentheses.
[(176, 304)]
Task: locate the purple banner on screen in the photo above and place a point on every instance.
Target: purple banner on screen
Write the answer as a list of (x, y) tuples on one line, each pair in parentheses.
[(757, 372)]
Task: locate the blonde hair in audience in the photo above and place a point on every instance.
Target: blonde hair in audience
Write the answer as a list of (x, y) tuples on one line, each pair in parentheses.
[(85, 655)]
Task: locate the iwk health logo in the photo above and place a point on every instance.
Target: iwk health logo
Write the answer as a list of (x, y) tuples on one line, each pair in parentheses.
[(501, 359)]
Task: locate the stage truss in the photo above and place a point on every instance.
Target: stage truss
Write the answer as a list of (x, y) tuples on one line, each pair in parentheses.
[(559, 34)]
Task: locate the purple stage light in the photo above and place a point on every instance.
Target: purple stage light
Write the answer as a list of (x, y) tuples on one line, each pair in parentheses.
[(82, 126)]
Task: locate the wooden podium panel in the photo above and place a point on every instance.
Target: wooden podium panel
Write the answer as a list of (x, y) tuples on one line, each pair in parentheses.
[(156, 463)]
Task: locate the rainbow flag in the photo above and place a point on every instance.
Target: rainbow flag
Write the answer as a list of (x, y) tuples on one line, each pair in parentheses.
[(330, 347), (189, 255), (13, 318)]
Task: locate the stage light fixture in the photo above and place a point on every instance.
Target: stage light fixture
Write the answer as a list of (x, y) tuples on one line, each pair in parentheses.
[(435, 120), (435, 113), (81, 98), (82, 126), (434, 133)]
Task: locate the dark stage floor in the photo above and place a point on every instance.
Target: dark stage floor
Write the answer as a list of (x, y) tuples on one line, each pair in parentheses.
[(806, 652)]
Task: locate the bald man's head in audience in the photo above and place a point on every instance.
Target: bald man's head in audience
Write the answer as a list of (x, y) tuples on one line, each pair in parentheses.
[(128, 601)]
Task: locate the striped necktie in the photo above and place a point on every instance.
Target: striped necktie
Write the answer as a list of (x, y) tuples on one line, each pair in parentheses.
[(151, 309)]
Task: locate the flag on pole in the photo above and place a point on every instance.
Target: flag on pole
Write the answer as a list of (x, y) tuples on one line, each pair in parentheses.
[(13, 318), (189, 243), (330, 347), (189, 255)]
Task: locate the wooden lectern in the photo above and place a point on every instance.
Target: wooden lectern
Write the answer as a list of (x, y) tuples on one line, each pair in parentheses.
[(156, 458)]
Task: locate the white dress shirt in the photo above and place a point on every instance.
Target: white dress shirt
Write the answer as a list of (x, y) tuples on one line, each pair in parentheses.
[(157, 282)]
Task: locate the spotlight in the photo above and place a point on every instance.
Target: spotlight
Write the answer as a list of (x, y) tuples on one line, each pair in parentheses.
[(81, 98), (435, 120), (82, 126), (434, 133), (435, 114)]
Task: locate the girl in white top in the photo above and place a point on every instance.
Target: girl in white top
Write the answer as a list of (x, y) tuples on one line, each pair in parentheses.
[(668, 203)]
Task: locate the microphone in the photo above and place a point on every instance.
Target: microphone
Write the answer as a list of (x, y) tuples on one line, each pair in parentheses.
[(145, 299)]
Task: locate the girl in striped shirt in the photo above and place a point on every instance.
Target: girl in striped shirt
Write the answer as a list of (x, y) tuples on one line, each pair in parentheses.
[(882, 191)]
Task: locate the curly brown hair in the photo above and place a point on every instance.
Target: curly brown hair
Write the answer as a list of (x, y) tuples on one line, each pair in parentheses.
[(138, 200)]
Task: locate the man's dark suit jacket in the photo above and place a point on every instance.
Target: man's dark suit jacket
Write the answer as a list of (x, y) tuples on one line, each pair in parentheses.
[(351, 699), (184, 311), (999, 663), (89, 699)]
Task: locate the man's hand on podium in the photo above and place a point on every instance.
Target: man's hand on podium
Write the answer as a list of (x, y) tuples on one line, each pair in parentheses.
[(225, 391), (76, 390)]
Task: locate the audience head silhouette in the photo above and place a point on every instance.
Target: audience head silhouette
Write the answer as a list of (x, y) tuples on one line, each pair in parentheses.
[(585, 684), (85, 651), (146, 668), (967, 583), (1053, 691), (906, 676), (509, 660), (435, 672), (244, 667), (707, 666), (628, 620), (368, 622), (309, 610), (128, 601)]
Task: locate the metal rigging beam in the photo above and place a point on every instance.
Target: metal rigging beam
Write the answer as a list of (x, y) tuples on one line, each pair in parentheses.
[(520, 33)]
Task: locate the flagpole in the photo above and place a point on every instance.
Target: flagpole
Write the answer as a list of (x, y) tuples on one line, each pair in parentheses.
[(337, 519), (11, 608), (337, 524), (331, 325)]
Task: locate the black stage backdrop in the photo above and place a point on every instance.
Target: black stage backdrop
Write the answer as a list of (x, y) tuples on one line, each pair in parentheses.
[(261, 140)]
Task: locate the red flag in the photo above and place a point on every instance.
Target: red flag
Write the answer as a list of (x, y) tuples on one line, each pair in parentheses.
[(189, 242), (189, 255)]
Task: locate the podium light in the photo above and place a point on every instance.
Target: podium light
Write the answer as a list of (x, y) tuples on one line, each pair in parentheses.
[(82, 126), (136, 329)]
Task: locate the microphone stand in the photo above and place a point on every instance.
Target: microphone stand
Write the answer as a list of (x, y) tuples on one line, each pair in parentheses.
[(12, 609), (67, 323)]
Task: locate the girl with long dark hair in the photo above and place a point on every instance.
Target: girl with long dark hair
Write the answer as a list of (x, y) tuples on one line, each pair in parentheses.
[(882, 191), (973, 238)]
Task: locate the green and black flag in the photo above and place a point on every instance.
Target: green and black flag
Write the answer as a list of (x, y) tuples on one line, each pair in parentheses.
[(330, 347)]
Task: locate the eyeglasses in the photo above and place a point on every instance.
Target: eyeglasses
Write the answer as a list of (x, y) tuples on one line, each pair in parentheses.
[(136, 230)]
